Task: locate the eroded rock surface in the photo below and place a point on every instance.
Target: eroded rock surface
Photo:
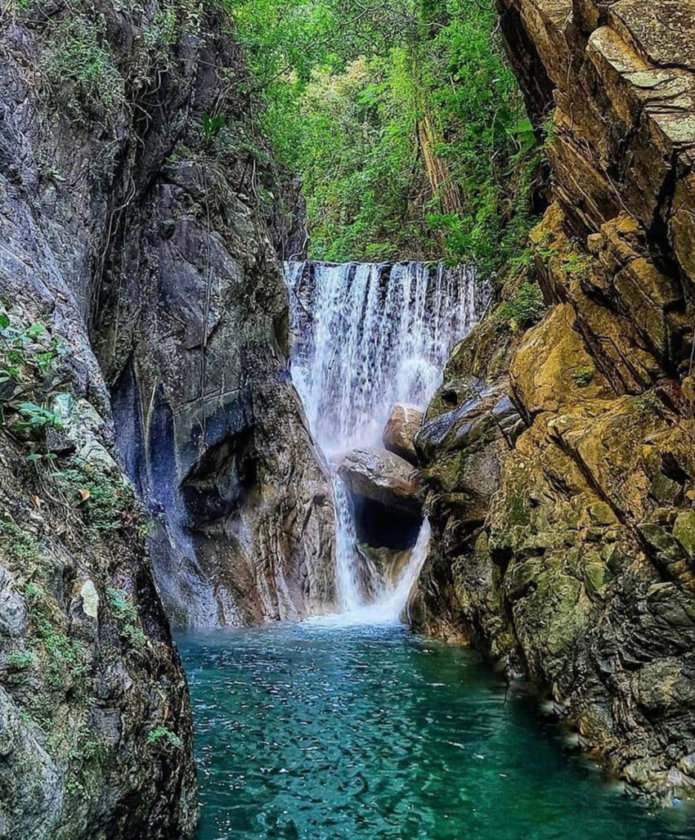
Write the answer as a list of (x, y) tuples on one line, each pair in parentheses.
[(566, 551), (384, 491), (400, 430), (382, 477), (193, 338), (126, 225)]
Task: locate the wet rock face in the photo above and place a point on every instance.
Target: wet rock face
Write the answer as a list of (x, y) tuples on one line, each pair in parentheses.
[(193, 334), (95, 724), (562, 543)]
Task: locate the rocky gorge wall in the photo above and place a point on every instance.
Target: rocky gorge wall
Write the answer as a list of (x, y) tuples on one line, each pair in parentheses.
[(559, 460), (143, 327)]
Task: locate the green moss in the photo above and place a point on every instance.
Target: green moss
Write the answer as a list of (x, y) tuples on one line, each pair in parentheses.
[(584, 377), (648, 403), (684, 530), (19, 545), (62, 657), (106, 502), (517, 512), (20, 661), (576, 265)]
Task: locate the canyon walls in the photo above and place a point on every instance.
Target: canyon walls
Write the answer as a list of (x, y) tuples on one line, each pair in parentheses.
[(559, 454), (143, 329)]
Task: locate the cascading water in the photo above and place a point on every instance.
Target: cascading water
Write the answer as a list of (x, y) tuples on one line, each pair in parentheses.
[(367, 336)]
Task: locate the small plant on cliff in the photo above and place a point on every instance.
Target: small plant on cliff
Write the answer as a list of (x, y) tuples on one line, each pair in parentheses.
[(525, 309), (18, 545), (212, 126), (79, 61), (576, 265), (162, 737), (20, 661), (127, 616), (64, 657), (584, 377), (106, 502), (27, 355)]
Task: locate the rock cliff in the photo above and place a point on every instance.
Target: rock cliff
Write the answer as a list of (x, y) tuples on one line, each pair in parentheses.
[(559, 461), (133, 243)]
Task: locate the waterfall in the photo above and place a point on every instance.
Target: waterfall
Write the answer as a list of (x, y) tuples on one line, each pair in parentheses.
[(367, 336)]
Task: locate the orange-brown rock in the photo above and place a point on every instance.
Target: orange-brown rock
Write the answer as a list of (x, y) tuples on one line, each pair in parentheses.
[(578, 567), (400, 430)]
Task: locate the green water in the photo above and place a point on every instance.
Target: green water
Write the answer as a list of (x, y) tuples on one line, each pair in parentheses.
[(374, 734)]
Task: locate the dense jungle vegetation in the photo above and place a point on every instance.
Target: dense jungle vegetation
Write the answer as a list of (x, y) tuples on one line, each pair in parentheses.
[(403, 121)]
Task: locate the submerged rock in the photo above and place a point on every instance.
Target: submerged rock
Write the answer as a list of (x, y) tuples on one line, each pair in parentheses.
[(399, 434)]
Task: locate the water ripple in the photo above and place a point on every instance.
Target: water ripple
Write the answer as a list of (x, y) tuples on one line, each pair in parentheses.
[(319, 733)]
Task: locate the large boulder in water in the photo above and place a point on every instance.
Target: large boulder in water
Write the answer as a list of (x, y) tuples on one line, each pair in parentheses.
[(399, 433), (383, 488), (382, 477)]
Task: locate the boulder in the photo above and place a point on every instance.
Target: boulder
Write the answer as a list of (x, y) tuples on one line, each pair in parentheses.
[(383, 477), (400, 430)]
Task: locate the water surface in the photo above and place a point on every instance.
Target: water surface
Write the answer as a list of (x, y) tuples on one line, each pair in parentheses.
[(319, 733)]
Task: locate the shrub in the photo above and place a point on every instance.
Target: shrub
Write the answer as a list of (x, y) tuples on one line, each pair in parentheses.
[(79, 60), (525, 308), (584, 377), (163, 737)]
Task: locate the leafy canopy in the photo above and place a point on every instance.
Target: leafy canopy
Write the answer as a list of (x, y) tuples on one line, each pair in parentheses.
[(403, 121)]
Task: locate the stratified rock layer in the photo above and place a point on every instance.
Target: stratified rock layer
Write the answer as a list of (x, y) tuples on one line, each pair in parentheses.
[(567, 551)]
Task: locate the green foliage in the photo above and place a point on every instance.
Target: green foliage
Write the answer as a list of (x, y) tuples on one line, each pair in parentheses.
[(35, 418), (584, 377), (106, 502), (79, 61), (212, 126), (22, 350), (162, 31), (20, 661), (576, 265), (525, 308), (403, 121), (64, 657), (27, 355), (127, 616), (164, 738), (20, 546)]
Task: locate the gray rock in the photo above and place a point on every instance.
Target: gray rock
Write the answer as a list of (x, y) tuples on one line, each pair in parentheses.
[(382, 477)]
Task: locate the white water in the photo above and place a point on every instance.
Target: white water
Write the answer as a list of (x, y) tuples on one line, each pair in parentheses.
[(372, 336), (389, 608), (366, 337)]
